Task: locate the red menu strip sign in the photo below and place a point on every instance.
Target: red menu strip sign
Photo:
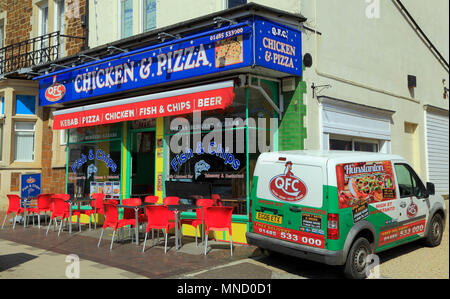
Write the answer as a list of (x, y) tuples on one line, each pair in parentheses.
[(175, 105)]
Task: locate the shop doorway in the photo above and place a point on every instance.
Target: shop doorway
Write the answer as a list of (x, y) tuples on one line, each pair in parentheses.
[(143, 162)]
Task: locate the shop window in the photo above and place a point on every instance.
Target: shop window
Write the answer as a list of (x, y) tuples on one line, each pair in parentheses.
[(149, 14), (126, 18), (24, 141), (94, 161), (2, 105), (221, 147), (25, 104)]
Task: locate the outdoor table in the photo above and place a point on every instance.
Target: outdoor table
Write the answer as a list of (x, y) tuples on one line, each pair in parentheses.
[(136, 210), (25, 201), (180, 208), (72, 201)]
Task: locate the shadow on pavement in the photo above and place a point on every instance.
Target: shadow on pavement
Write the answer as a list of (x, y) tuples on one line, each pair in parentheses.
[(8, 261)]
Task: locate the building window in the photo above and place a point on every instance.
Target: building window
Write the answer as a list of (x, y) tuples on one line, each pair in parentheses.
[(233, 3), (2, 106), (60, 24), (343, 143), (24, 141), (94, 158), (25, 104), (149, 14), (126, 18), (43, 19)]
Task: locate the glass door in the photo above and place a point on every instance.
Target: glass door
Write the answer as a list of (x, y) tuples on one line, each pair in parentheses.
[(143, 163)]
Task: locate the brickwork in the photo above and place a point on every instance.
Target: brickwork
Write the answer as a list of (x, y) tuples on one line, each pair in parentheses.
[(18, 25), (74, 10), (15, 182), (53, 179)]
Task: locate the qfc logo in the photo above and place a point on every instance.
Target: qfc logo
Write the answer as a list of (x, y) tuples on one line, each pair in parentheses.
[(287, 186)]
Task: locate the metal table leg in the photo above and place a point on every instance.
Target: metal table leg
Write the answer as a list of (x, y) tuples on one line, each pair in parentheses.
[(136, 228)]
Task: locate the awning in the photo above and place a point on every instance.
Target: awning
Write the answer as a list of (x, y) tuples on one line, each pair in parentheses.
[(181, 101)]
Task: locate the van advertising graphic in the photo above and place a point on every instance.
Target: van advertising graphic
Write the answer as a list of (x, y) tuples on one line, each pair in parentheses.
[(287, 186), (364, 183)]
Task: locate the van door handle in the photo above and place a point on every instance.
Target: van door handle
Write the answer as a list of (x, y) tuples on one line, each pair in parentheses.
[(295, 209)]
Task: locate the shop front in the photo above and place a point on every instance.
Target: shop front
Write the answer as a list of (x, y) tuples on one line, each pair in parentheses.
[(186, 117)]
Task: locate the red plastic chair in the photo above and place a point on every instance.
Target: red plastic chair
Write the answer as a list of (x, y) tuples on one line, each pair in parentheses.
[(202, 202), (158, 218), (97, 208), (171, 200), (218, 219), (43, 205), (151, 199), (130, 213), (112, 220), (217, 200), (60, 208), (14, 207)]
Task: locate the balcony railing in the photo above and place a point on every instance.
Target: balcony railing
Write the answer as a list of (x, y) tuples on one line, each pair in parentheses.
[(32, 52)]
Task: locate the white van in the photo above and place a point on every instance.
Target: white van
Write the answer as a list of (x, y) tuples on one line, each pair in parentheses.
[(339, 207)]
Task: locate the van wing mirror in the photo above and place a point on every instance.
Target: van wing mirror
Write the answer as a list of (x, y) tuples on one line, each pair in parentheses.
[(430, 188)]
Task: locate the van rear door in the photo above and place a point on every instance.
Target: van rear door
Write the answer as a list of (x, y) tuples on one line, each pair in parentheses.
[(287, 201)]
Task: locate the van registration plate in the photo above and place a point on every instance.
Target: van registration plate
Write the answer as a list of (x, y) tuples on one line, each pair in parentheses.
[(269, 218)]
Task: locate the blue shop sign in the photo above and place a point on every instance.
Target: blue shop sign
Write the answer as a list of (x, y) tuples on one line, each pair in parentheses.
[(254, 42)]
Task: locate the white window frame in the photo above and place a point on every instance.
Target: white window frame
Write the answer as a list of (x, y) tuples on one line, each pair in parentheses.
[(60, 23), (42, 6), (34, 140), (141, 23), (353, 139)]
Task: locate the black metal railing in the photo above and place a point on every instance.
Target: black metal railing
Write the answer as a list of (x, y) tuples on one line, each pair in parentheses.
[(32, 52)]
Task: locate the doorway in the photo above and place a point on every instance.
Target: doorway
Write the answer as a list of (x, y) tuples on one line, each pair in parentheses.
[(143, 163)]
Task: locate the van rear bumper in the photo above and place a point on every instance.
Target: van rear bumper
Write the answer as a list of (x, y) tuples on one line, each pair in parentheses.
[(305, 252)]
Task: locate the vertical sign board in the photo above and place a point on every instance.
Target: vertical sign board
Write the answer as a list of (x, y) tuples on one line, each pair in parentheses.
[(278, 47), (30, 186)]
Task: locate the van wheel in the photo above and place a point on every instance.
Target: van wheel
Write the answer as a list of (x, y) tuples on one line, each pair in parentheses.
[(355, 266), (436, 229)]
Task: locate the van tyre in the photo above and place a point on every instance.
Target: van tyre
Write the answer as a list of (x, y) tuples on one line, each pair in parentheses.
[(355, 265), (435, 231)]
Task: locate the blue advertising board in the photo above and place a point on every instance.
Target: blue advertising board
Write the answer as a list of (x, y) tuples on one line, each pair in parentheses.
[(30, 185), (254, 42)]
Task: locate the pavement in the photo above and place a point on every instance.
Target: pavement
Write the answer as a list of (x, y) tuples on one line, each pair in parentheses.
[(29, 253), (24, 251)]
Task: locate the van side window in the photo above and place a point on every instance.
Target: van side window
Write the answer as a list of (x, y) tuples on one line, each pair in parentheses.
[(408, 182)]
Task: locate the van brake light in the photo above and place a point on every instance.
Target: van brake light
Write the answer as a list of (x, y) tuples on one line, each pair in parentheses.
[(281, 158), (333, 226)]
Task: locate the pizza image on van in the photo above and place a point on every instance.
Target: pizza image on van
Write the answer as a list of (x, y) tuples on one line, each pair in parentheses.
[(364, 182)]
